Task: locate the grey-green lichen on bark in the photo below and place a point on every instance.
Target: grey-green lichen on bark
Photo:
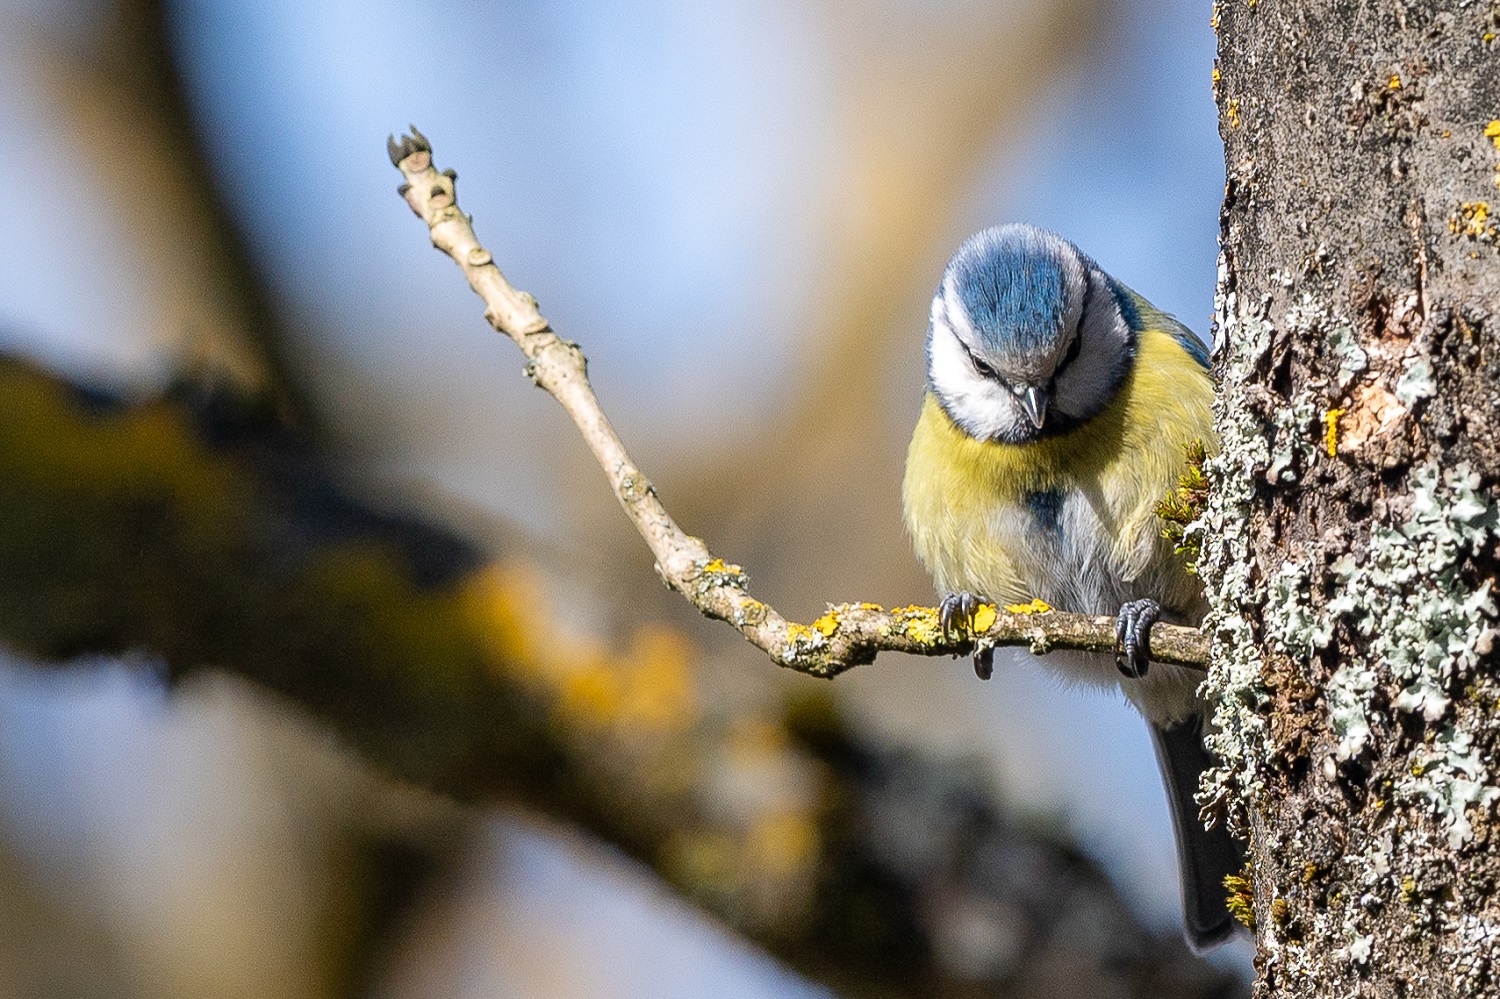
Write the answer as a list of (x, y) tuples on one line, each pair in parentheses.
[(1234, 681), (1407, 596), (1421, 621), (1351, 536)]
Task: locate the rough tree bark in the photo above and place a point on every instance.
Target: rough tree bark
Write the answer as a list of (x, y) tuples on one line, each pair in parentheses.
[(1353, 531)]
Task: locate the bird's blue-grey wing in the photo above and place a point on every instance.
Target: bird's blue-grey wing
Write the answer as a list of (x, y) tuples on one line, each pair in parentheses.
[(1189, 340), (1142, 315)]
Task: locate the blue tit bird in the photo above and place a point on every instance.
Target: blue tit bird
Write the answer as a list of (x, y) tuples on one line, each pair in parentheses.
[(1058, 403)]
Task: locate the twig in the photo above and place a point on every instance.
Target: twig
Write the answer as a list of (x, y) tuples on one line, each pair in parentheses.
[(849, 634)]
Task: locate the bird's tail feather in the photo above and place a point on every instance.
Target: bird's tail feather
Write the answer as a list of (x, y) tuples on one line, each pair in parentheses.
[(1204, 856)]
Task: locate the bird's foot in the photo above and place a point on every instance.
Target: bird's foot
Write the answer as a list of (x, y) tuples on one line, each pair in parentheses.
[(956, 613), (1133, 636)]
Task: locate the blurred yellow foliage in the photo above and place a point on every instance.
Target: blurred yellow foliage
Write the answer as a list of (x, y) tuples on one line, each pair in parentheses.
[(591, 695), (783, 845), (648, 688), (751, 738), (706, 862), (660, 694), (47, 439)]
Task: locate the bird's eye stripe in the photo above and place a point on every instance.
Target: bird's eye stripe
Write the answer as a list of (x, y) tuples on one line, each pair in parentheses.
[(979, 366), (1077, 344), (1073, 349)]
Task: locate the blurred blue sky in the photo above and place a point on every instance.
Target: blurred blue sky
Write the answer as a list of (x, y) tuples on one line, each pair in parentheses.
[(641, 167), (67, 271), (652, 171), (1124, 159)]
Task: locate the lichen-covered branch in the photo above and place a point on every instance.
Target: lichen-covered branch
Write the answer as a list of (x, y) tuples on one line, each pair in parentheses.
[(848, 634)]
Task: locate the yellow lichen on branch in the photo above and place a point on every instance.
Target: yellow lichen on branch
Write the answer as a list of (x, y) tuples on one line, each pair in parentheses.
[(1034, 607), (848, 634)]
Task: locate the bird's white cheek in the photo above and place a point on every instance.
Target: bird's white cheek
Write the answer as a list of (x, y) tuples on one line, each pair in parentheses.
[(982, 407)]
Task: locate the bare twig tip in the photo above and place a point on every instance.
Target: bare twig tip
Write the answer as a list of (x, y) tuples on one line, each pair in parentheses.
[(416, 142)]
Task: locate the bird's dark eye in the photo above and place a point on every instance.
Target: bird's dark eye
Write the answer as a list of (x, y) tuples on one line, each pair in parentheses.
[(984, 369)]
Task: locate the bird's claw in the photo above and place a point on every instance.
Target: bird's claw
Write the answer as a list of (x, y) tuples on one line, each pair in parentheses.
[(1133, 636), (956, 613)]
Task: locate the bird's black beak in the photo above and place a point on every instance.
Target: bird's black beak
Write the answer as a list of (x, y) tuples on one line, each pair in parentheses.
[(1034, 401)]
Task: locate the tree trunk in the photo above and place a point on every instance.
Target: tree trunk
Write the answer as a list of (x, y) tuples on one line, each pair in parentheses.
[(1352, 531)]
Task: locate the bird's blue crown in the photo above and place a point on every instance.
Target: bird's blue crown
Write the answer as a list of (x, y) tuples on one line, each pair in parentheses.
[(1012, 282), (1028, 337)]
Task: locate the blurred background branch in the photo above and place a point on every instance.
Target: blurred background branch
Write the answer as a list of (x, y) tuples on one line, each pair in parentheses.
[(175, 530), (119, 98)]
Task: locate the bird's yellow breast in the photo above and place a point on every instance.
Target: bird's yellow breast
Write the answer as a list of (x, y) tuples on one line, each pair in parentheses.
[(978, 511)]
